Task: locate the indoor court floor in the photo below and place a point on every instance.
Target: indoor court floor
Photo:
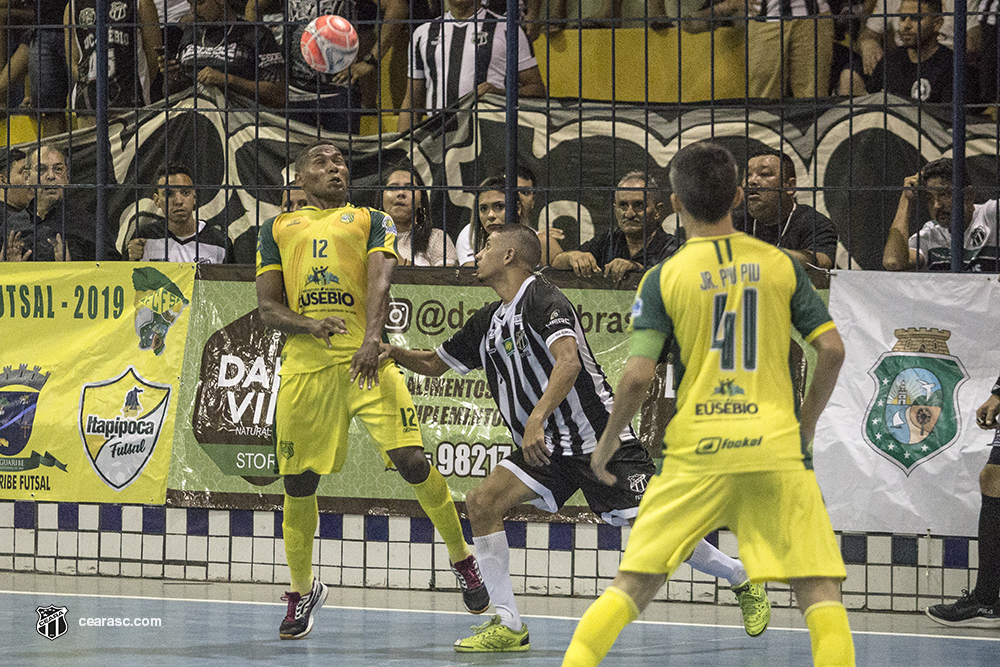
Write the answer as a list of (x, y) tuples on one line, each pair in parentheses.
[(236, 624)]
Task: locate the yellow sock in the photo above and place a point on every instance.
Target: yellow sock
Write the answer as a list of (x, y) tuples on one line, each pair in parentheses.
[(298, 527), (600, 627), (832, 645), (435, 498)]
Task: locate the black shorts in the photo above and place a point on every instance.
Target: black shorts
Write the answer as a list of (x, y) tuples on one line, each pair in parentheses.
[(558, 481)]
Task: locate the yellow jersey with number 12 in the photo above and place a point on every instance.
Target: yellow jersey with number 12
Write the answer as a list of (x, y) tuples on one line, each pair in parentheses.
[(323, 256), (726, 305)]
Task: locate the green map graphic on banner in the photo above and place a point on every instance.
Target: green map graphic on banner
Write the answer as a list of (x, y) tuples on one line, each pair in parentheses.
[(230, 376)]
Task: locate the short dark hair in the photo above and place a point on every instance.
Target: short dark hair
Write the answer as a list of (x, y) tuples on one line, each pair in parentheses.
[(703, 176), (785, 165), (13, 155), (173, 169), (527, 247), (300, 159), (937, 169), (523, 171)]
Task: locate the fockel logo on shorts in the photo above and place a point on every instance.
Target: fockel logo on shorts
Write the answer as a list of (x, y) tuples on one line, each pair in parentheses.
[(714, 445), (120, 423)]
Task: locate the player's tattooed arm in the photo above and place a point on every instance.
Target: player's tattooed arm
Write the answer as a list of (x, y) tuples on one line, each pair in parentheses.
[(277, 315), (421, 362)]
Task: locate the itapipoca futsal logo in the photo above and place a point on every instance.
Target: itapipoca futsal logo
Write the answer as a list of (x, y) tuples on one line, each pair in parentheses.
[(914, 413), (51, 621), (158, 304), (120, 423)]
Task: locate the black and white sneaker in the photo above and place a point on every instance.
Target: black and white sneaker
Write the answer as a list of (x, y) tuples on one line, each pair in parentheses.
[(474, 594), (299, 619), (966, 612)]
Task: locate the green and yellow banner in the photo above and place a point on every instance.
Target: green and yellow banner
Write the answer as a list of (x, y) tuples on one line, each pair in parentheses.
[(90, 361)]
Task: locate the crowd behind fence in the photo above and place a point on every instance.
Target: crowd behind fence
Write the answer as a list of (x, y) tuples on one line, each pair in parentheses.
[(163, 129)]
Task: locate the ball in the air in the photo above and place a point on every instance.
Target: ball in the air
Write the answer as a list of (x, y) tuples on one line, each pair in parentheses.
[(329, 44)]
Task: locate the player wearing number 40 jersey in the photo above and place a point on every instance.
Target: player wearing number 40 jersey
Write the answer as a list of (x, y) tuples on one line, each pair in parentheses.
[(323, 276), (556, 401), (734, 449)]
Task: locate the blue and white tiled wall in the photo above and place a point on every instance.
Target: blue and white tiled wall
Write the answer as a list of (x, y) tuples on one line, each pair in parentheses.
[(885, 572)]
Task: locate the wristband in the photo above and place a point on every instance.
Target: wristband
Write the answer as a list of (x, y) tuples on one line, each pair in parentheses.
[(996, 388), (370, 59)]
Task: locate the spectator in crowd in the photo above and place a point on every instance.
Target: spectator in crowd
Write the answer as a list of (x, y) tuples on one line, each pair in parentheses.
[(134, 39), (14, 15), (880, 33), (989, 51), (636, 242), (491, 214), (47, 66), (981, 607), (717, 14), (173, 11), (922, 69), (12, 76), (790, 45), (435, 83), (931, 246), (847, 73), (245, 246), (16, 235), (180, 237), (63, 231), (550, 236), (325, 100), (774, 216), (221, 50), (418, 242)]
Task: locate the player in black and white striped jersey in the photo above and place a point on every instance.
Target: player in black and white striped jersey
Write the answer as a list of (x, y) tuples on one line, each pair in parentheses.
[(555, 400), (464, 52)]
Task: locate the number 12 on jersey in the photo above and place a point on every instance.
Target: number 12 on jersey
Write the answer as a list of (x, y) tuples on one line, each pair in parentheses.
[(724, 331)]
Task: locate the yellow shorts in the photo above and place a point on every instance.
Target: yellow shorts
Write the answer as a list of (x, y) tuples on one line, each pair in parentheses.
[(778, 517), (314, 411)]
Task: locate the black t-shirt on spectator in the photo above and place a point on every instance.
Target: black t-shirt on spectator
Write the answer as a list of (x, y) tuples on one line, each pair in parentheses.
[(613, 245), (928, 81), (806, 229), (241, 49)]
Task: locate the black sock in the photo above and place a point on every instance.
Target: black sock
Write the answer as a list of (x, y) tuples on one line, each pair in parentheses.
[(988, 583)]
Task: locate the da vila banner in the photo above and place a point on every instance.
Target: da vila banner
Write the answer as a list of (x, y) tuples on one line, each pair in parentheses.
[(898, 449), (89, 370), (223, 453)]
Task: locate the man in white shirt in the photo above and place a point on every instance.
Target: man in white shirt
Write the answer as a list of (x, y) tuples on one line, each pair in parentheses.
[(930, 247), (182, 238)]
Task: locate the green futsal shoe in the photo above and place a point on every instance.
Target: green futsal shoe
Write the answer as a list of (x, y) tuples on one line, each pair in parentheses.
[(755, 606), (494, 637)]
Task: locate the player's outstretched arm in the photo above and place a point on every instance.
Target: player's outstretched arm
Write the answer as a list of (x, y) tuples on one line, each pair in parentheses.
[(629, 395), (421, 362), (277, 315), (829, 357), (364, 363)]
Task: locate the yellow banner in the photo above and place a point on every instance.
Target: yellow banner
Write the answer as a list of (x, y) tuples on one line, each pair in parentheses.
[(90, 361)]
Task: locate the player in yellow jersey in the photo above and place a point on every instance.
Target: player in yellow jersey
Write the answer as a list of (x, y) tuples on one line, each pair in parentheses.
[(323, 275), (733, 453)]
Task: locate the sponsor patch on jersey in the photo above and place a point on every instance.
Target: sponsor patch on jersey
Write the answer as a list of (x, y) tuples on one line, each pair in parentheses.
[(637, 307), (389, 225)]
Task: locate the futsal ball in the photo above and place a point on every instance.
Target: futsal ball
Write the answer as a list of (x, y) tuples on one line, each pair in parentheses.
[(329, 44)]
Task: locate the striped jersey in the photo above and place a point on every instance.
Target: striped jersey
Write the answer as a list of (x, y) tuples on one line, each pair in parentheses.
[(323, 256), (726, 305), (510, 342), (454, 57)]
